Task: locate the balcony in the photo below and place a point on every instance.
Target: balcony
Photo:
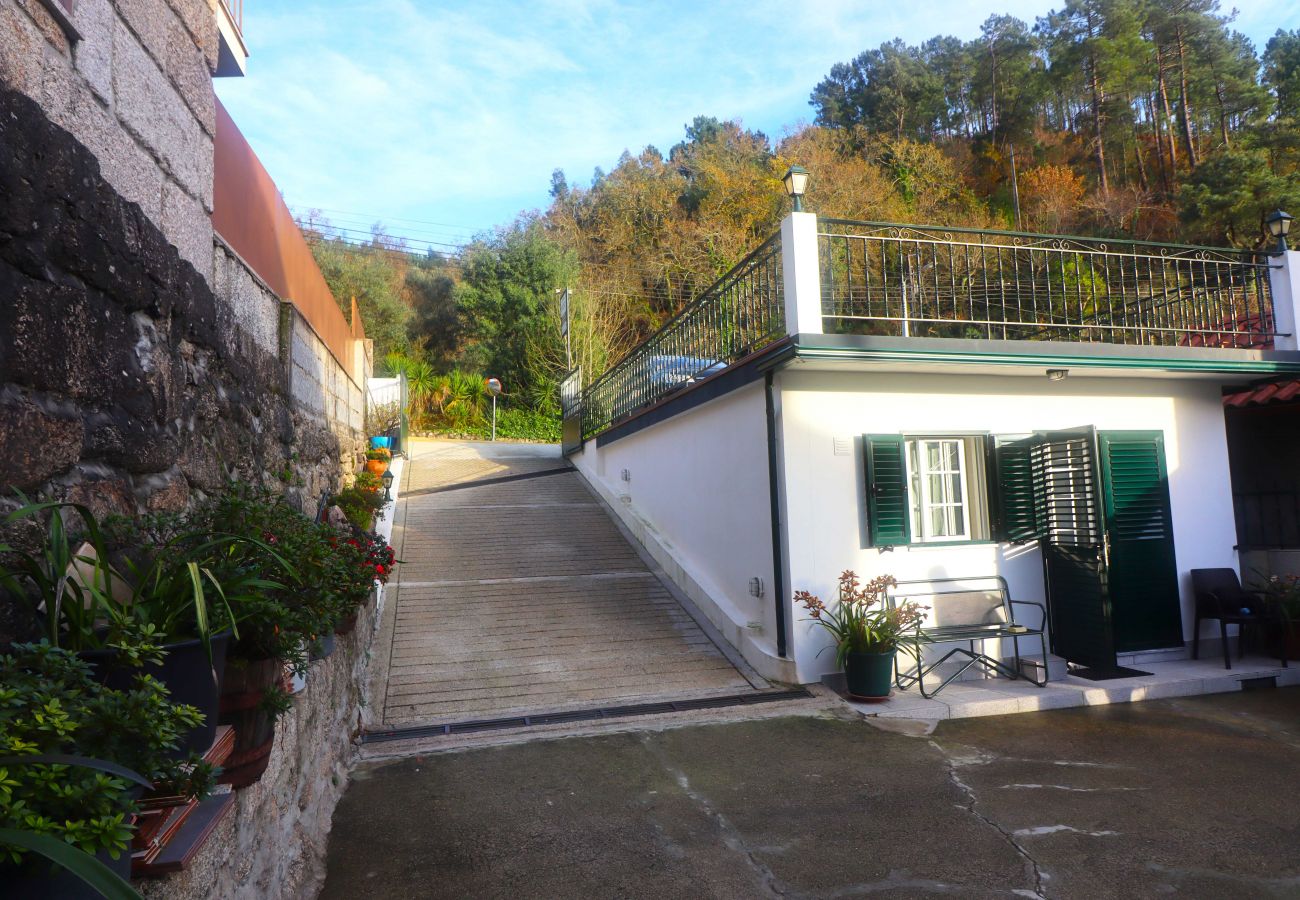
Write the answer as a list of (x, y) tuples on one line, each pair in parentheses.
[(888, 294), (232, 54)]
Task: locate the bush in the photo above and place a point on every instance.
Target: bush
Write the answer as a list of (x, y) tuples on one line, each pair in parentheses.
[(51, 704)]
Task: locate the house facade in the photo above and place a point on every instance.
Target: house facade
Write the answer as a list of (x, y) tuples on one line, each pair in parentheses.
[(938, 403)]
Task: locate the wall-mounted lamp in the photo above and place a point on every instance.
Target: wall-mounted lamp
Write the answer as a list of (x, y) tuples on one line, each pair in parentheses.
[(1278, 224), (796, 183), (1057, 374)]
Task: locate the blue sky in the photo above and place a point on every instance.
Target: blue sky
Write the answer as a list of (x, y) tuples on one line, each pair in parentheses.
[(448, 118)]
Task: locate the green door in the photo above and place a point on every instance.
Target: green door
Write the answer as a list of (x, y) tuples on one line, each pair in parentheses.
[(1142, 576), (1065, 480)]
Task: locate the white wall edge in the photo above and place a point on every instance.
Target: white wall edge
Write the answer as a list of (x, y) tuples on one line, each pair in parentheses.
[(722, 614)]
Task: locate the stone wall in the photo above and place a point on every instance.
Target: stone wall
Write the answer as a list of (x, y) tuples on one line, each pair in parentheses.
[(126, 382), (272, 844), (136, 90)]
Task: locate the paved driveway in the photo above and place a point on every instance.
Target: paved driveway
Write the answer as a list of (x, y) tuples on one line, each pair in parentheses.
[(1195, 797), (518, 594)]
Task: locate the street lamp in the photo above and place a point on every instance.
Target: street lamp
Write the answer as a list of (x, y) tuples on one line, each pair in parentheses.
[(1279, 226), (494, 385), (387, 479), (796, 182)]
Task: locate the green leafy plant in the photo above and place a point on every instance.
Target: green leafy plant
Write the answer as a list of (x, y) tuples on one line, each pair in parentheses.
[(1284, 592), (73, 739), (862, 621), (368, 482), (135, 592), (380, 453), (382, 418)]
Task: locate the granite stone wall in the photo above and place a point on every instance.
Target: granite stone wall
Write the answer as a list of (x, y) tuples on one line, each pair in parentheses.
[(136, 89), (126, 382)]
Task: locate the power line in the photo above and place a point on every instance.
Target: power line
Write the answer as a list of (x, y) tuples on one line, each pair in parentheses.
[(358, 222), (469, 228)]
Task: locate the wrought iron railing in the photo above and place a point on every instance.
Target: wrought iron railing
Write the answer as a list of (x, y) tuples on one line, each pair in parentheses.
[(740, 313), (921, 281)]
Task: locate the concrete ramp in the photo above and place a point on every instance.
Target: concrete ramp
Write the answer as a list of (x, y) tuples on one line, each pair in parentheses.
[(518, 595)]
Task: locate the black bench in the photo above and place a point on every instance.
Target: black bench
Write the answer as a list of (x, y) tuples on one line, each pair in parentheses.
[(964, 610)]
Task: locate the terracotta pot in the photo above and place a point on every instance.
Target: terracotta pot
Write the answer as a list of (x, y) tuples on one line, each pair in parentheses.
[(347, 625), (376, 466), (247, 682)]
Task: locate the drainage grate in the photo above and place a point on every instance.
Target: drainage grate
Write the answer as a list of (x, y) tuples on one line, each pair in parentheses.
[(581, 715)]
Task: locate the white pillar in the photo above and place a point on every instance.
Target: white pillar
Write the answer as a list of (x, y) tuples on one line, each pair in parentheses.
[(1284, 275), (803, 285)]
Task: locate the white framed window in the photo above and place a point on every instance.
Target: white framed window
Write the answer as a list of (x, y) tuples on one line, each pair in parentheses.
[(945, 478)]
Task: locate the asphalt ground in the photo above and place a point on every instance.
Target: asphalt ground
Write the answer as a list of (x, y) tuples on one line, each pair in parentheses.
[(1193, 797)]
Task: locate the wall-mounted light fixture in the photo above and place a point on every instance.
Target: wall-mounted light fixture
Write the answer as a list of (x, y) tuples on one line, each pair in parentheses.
[(1057, 374)]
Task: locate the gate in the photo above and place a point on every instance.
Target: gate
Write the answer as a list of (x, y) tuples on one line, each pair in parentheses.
[(571, 409)]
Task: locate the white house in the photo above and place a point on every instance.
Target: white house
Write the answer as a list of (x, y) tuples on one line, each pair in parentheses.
[(931, 402)]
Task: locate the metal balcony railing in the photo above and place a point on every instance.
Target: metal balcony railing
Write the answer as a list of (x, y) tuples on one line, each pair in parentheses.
[(740, 313), (921, 281), (235, 9)]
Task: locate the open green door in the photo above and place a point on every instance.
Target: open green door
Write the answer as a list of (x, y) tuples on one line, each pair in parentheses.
[(1143, 576), (1071, 535)]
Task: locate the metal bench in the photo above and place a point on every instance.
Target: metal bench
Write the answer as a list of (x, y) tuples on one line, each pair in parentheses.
[(963, 610)]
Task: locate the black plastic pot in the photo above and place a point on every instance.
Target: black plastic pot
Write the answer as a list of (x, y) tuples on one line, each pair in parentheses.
[(869, 676), (185, 671), (323, 647), (39, 879)]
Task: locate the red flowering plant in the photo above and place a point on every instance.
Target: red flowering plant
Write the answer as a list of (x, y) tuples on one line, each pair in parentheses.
[(862, 621)]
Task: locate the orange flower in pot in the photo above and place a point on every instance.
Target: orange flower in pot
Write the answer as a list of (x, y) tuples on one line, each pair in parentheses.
[(377, 460)]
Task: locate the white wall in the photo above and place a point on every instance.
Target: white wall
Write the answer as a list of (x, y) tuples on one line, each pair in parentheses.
[(825, 492), (698, 500)]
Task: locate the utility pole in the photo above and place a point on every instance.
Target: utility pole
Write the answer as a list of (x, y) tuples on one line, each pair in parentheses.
[(564, 328)]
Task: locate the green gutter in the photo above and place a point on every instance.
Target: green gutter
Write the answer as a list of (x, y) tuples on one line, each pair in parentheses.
[(1227, 366)]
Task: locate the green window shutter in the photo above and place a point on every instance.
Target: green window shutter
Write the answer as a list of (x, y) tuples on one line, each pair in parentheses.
[(888, 512), (1015, 517)]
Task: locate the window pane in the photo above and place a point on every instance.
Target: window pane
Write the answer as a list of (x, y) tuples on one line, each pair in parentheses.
[(938, 522), (933, 454)]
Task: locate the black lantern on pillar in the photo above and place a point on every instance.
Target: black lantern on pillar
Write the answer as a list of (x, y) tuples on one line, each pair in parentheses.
[(387, 479), (1278, 224)]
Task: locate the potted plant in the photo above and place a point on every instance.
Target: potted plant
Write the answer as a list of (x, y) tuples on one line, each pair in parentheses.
[(378, 460), (1283, 591), (169, 600), (866, 629), (70, 748), (382, 419)]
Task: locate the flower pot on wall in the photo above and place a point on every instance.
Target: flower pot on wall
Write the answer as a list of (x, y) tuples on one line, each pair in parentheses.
[(376, 466), (379, 441), (186, 671), (241, 707), (38, 879), (869, 676)]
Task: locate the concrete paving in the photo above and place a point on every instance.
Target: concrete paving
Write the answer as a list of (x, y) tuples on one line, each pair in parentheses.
[(518, 594), (1192, 797)]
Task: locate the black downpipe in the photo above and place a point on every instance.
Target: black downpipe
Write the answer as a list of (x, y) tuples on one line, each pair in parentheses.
[(774, 490)]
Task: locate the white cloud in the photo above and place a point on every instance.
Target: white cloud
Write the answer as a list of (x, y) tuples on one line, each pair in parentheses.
[(458, 113)]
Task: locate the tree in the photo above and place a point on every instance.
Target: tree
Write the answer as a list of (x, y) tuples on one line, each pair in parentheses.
[(1050, 196), (1227, 196), (508, 284), (374, 274)]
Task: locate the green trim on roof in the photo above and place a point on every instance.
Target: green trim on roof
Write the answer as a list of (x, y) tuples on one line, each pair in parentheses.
[(1053, 360)]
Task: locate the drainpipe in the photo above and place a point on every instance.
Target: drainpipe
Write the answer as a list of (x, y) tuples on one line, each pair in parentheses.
[(774, 491)]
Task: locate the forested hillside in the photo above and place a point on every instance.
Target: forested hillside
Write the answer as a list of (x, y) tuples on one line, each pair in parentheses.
[(1144, 118)]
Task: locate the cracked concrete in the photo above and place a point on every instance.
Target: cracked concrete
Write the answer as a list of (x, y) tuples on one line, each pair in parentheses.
[(1194, 797)]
